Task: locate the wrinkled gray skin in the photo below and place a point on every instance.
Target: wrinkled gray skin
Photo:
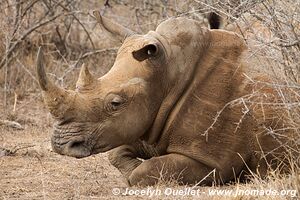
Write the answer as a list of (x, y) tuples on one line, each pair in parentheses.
[(157, 103)]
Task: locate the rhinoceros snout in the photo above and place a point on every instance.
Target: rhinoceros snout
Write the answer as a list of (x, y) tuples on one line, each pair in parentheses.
[(75, 148)]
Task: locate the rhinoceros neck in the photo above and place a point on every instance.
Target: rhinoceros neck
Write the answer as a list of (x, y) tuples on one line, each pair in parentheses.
[(215, 59), (172, 98)]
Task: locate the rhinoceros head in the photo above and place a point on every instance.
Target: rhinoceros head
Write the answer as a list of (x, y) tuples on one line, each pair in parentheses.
[(133, 100)]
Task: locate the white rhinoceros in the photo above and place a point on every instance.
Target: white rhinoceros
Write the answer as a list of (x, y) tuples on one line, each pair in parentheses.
[(174, 104)]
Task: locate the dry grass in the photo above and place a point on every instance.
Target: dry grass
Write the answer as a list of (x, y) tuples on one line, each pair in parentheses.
[(68, 31)]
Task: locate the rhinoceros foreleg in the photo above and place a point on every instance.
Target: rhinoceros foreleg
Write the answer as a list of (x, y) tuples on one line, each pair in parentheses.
[(125, 157), (171, 167)]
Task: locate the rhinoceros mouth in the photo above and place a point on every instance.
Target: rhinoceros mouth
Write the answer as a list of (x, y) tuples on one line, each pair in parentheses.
[(101, 149), (78, 148)]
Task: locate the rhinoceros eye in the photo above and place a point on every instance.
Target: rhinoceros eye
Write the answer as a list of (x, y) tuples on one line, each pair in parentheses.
[(116, 102)]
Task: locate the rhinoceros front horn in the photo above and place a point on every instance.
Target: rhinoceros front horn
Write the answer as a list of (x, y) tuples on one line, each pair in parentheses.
[(112, 27), (54, 96), (42, 77)]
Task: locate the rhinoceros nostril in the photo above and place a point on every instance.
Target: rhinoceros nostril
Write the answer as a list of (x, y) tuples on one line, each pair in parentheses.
[(76, 144), (76, 148)]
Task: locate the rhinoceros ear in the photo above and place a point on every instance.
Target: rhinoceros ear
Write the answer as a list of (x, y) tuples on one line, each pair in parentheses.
[(85, 77), (214, 20), (148, 51)]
